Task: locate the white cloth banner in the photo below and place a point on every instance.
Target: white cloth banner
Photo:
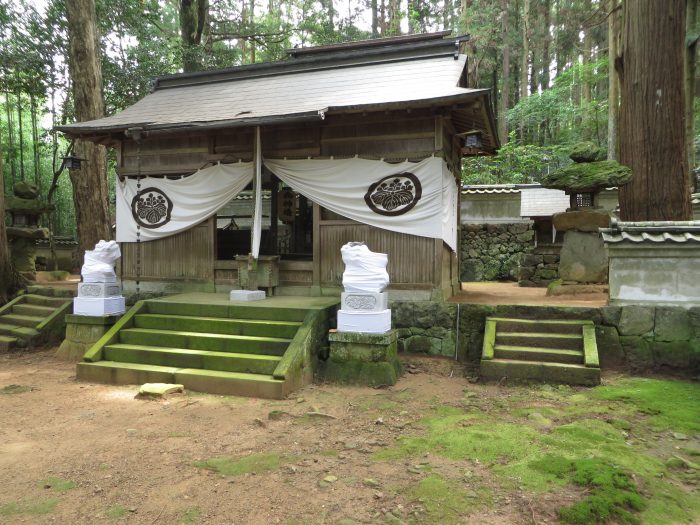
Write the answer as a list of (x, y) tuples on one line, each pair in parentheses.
[(418, 198), (256, 233), (169, 206)]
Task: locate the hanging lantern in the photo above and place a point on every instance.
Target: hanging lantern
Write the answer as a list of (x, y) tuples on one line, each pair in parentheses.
[(72, 162)]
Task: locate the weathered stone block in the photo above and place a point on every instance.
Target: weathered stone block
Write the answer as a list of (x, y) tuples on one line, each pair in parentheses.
[(368, 359), (581, 220), (638, 351), (610, 350), (583, 258), (694, 320), (675, 354), (672, 324), (610, 315), (402, 313), (636, 320)]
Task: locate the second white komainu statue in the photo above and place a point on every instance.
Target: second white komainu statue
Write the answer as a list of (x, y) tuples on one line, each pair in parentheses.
[(365, 271)]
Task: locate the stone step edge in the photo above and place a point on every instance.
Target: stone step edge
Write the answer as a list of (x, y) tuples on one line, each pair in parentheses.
[(538, 350), (581, 322), (35, 318), (208, 335), (573, 366), (244, 376), (539, 335), (224, 319), (165, 350)]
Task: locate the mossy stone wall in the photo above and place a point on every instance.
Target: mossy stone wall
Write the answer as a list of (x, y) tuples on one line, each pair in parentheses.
[(492, 252), (639, 338)]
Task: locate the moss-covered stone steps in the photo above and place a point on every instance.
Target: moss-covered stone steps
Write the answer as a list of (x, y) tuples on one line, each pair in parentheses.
[(34, 318), (540, 350), (541, 339), (32, 309), (573, 374), (7, 343), (213, 342), (210, 381), (247, 327), (217, 347), (527, 353), (188, 358), (21, 320), (226, 311)]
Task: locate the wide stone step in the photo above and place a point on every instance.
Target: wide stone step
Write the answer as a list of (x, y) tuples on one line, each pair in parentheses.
[(187, 358), (540, 371), (540, 326), (254, 327), (540, 339), (226, 311), (33, 310), (20, 332), (42, 300), (7, 343), (244, 344), (21, 320), (209, 381), (50, 291), (529, 353)]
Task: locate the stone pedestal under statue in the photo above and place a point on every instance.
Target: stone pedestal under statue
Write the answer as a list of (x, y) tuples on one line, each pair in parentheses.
[(363, 359), (83, 331), (99, 294)]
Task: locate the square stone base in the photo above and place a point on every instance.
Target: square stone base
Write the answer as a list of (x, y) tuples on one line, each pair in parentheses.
[(365, 322), (246, 295), (99, 306), (83, 331), (363, 359)]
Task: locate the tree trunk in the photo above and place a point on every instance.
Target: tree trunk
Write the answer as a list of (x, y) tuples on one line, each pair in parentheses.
[(375, 19), (5, 268), (90, 195), (586, 97), (20, 133), (690, 72), (505, 77), (394, 16), (525, 61), (193, 14), (652, 137), (614, 34)]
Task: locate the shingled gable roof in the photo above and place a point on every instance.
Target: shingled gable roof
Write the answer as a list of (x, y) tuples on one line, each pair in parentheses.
[(410, 71)]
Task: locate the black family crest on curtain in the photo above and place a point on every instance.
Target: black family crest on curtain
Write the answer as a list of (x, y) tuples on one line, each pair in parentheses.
[(151, 208), (394, 195)]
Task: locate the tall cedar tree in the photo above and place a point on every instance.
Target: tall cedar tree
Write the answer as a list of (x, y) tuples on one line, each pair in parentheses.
[(90, 195), (652, 130), (5, 268)]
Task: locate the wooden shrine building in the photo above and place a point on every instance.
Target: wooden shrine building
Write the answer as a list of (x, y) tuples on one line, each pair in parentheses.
[(309, 143)]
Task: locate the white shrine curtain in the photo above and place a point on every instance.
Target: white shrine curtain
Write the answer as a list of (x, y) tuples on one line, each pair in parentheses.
[(169, 206), (418, 198)]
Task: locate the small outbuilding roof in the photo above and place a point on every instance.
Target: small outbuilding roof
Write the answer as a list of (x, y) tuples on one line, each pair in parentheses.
[(376, 75)]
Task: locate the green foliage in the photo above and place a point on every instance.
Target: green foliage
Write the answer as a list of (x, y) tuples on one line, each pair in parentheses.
[(116, 512), (515, 164), (444, 502), (256, 463), (34, 508), (57, 484)]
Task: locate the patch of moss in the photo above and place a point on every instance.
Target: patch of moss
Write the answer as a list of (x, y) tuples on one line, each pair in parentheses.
[(15, 389), (670, 404), (115, 512), (190, 516), (613, 495), (256, 463), (57, 484), (588, 176), (443, 501), (35, 508)]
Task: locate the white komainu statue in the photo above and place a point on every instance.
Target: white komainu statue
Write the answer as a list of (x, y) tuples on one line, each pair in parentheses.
[(365, 271), (99, 263)]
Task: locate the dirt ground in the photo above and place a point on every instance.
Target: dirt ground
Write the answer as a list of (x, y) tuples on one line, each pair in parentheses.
[(78, 453)]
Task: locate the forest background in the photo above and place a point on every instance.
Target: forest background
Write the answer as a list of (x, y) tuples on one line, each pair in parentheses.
[(546, 62)]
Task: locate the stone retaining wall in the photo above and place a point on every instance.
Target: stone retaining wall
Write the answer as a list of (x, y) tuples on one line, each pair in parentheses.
[(640, 338), (540, 268), (492, 252)]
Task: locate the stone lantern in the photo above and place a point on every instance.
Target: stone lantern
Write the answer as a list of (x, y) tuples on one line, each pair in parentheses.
[(25, 209), (583, 256)]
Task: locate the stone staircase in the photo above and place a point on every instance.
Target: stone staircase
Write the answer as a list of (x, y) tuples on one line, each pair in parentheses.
[(550, 351), (214, 348), (34, 318)]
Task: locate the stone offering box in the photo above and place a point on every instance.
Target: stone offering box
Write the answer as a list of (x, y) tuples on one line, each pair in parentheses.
[(266, 274), (363, 359)]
